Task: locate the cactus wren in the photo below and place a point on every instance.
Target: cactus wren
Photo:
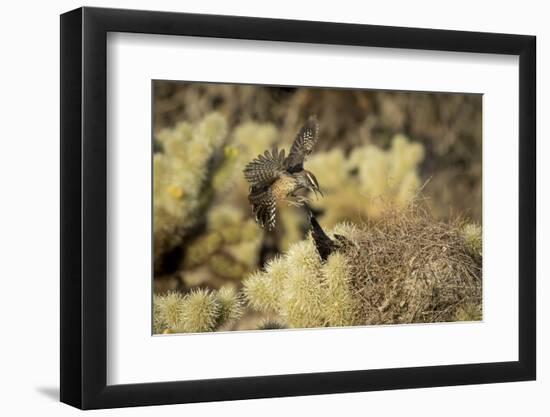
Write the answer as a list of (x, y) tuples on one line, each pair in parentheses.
[(275, 179)]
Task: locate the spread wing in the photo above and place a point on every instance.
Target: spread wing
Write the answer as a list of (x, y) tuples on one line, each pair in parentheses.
[(303, 145), (264, 206), (265, 169)]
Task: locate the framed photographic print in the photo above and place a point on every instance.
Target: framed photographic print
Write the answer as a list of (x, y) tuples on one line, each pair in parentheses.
[(257, 208)]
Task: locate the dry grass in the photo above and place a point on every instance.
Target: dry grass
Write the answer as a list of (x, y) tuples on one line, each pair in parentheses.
[(409, 268)]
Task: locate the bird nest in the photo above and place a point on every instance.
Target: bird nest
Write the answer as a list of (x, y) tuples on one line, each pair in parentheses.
[(407, 268)]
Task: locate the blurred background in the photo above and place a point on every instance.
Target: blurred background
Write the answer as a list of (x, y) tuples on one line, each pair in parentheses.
[(374, 147)]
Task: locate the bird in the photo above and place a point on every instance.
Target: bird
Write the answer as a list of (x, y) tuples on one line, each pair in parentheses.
[(323, 243), (275, 178)]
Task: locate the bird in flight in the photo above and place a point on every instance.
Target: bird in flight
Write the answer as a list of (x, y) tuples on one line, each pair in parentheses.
[(275, 179)]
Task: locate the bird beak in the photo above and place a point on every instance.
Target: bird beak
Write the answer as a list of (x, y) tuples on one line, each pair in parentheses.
[(317, 190)]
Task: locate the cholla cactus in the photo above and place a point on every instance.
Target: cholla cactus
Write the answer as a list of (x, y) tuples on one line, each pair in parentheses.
[(200, 169), (180, 174), (404, 268), (197, 311), (268, 324), (469, 312), (228, 249), (245, 142), (472, 236), (361, 185), (167, 311), (229, 246), (339, 304), (303, 291)]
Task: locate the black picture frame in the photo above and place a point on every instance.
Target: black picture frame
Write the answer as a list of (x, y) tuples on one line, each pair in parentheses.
[(84, 207)]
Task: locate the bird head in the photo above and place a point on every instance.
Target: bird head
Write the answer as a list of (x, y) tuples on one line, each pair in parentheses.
[(307, 180)]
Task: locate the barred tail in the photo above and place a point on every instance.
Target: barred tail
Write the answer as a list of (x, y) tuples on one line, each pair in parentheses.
[(324, 244)]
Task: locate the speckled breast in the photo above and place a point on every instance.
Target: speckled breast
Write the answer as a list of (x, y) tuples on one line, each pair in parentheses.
[(282, 187)]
